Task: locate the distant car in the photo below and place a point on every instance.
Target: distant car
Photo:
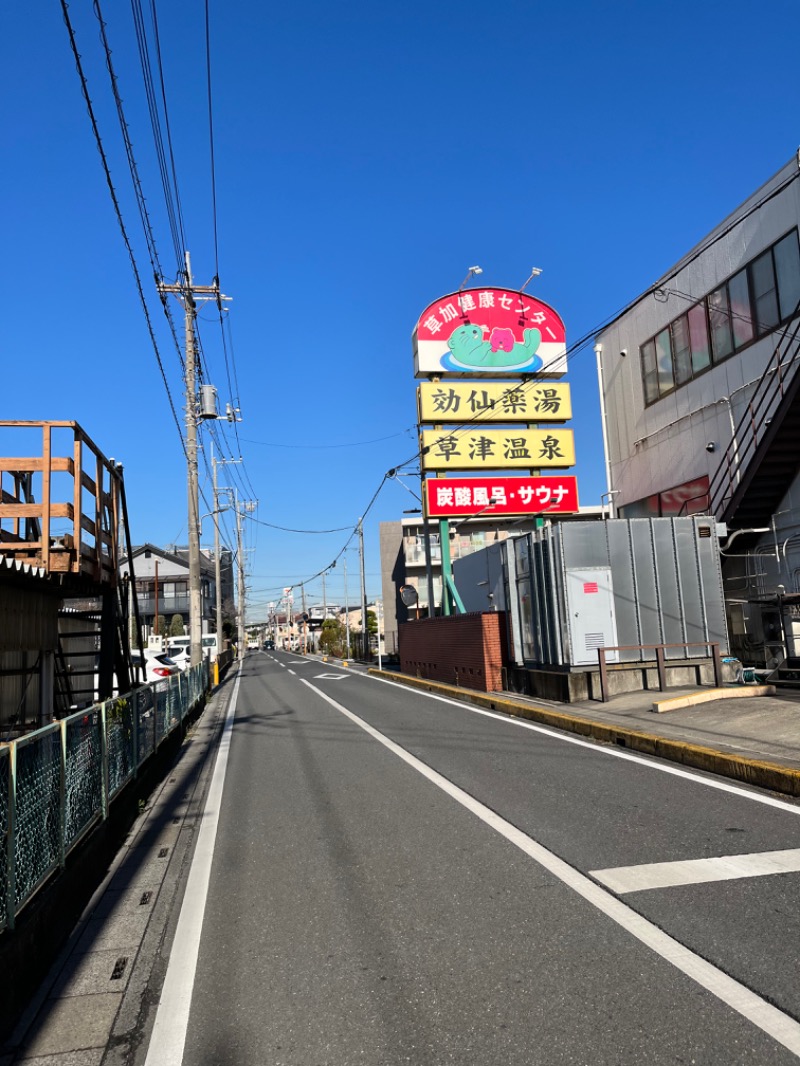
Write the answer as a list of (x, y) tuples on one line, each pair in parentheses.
[(157, 665), (252, 645), (269, 645)]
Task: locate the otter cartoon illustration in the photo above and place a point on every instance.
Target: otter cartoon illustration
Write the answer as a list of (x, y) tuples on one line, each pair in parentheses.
[(501, 350)]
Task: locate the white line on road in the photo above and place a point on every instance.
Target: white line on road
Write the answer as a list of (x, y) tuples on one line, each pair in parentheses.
[(775, 1023), (172, 1020), (567, 738), (698, 871), (293, 672)]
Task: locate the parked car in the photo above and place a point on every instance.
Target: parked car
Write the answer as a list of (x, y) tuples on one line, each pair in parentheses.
[(180, 654), (157, 665)]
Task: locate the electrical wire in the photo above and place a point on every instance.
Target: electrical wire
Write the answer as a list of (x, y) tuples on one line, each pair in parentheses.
[(144, 215), (118, 212), (325, 447), (211, 144)]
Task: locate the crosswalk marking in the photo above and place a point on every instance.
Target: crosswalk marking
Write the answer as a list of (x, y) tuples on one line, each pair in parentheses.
[(624, 879)]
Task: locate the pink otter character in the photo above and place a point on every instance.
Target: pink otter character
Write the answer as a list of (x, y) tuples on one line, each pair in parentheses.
[(502, 338)]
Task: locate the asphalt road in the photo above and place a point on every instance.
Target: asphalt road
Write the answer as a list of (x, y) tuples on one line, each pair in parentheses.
[(395, 878)]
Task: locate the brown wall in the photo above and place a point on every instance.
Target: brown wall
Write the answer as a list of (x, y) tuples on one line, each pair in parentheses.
[(465, 649)]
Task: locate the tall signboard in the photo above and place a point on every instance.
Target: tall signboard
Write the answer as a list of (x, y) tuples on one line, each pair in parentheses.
[(490, 428)]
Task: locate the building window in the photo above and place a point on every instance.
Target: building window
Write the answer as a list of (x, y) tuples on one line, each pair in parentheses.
[(649, 372), (787, 265), (719, 320), (741, 315), (765, 292), (681, 349), (752, 303)]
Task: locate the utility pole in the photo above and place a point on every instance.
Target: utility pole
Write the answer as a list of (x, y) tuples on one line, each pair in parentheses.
[(217, 561), (186, 291), (364, 634), (242, 639), (346, 613), (215, 464), (324, 600)]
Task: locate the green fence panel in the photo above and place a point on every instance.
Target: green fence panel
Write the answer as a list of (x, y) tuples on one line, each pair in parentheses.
[(37, 817), (5, 778), (120, 742), (145, 705), (161, 696), (83, 775)]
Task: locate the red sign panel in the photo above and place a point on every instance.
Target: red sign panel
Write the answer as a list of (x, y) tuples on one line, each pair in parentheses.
[(462, 497), (489, 332)]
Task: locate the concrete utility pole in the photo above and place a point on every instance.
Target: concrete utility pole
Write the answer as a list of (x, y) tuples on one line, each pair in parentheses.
[(240, 550), (364, 634), (346, 613), (217, 561), (186, 291)]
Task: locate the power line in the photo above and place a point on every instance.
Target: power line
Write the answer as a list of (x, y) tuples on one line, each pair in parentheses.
[(118, 210), (211, 144)]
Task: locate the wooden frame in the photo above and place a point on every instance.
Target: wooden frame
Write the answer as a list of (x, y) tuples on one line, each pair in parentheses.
[(28, 536)]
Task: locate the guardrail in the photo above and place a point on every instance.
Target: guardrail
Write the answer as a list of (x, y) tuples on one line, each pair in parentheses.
[(661, 664), (57, 783)]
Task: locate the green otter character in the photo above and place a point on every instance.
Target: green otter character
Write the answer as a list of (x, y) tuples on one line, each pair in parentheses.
[(470, 349)]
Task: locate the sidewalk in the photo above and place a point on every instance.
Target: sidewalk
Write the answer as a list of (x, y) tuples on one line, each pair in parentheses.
[(755, 739)]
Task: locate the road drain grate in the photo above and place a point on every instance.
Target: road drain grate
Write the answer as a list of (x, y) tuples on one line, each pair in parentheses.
[(119, 968), (163, 852), (146, 897)]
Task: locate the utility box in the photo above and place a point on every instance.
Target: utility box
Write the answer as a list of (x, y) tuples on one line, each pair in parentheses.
[(574, 587), (590, 619)]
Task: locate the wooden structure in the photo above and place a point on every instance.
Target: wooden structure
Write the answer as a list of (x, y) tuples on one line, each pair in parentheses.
[(62, 512), (68, 524)]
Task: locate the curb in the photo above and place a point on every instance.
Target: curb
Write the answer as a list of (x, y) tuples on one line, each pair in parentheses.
[(768, 775), (709, 695)]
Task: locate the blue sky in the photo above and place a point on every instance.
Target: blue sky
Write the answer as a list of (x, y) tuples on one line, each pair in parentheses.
[(366, 156)]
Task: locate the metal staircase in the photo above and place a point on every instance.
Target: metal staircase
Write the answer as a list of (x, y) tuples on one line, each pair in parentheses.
[(763, 456)]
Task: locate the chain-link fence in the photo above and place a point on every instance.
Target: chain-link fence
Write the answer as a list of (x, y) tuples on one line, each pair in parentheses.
[(56, 783)]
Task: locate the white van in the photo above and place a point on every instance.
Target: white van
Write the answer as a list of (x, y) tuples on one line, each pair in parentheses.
[(208, 643)]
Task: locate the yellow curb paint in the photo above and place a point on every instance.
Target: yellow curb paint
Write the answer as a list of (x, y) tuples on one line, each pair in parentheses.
[(767, 775)]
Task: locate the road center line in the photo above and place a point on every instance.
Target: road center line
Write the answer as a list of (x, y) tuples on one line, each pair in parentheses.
[(763, 1015), (172, 1019), (623, 879)]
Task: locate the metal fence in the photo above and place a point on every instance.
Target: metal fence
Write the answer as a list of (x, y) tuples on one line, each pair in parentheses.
[(57, 783)]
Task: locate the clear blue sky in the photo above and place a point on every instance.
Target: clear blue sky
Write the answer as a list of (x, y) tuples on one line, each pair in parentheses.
[(366, 156)]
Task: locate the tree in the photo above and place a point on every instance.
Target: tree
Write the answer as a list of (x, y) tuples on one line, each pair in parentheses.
[(160, 625), (331, 638), (176, 626)]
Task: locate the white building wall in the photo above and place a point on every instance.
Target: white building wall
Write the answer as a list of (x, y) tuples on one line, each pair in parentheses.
[(654, 448)]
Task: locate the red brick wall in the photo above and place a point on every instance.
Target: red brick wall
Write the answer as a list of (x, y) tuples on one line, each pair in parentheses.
[(461, 649)]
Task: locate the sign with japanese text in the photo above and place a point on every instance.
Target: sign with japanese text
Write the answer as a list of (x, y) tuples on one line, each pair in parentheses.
[(460, 497), (494, 401), (489, 333), (496, 449)]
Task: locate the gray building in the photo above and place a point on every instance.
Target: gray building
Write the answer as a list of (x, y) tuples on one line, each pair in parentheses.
[(172, 570), (700, 389)]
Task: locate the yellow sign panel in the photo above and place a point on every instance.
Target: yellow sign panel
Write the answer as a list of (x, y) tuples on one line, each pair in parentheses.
[(495, 401), (496, 449)]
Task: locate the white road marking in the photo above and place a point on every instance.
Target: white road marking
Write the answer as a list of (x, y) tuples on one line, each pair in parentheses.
[(302, 662), (698, 871), (172, 1019), (293, 672), (332, 677), (600, 749), (763, 1015)]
